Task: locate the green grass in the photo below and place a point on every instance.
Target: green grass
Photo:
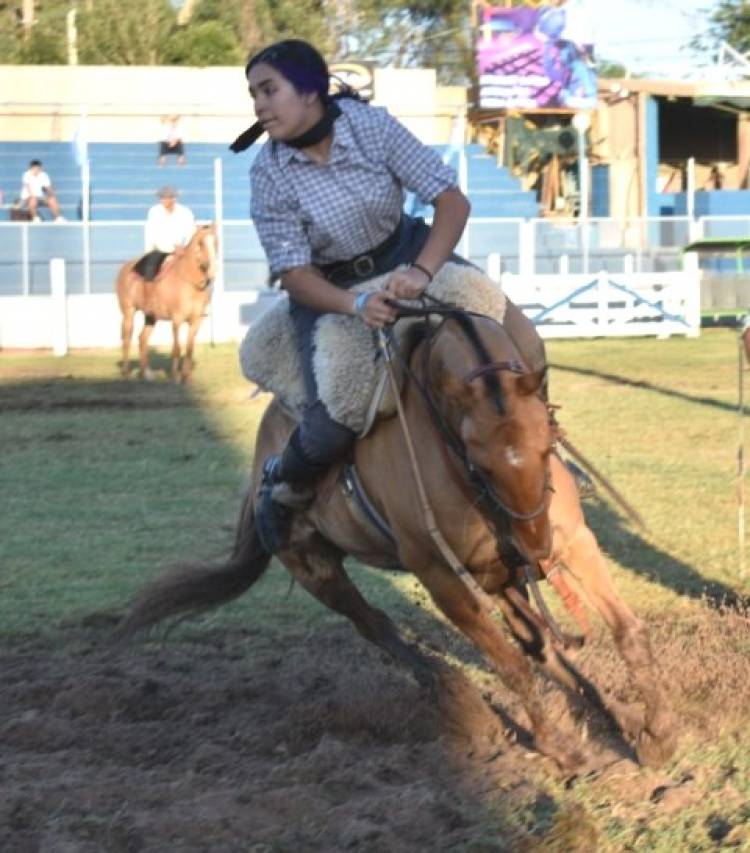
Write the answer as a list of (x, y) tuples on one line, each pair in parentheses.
[(105, 483)]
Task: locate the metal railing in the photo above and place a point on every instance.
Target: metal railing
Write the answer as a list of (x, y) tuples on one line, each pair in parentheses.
[(94, 251)]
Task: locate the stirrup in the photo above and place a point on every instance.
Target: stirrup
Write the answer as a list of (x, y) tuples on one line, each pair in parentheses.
[(273, 521)]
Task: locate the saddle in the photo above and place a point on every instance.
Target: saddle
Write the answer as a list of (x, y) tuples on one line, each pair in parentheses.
[(352, 380)]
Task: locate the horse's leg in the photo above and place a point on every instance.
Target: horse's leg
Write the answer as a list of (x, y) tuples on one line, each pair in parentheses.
[(174, 369), (467, 614), (126, 333), (148, 328), (575, 546), (536, 640), (187, 362), (319, 569)]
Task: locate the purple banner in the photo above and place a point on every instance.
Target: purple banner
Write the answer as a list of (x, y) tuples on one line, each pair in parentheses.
[(532, 57)]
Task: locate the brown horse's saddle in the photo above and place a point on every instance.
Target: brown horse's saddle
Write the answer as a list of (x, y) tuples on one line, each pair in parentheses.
[(352, 380)]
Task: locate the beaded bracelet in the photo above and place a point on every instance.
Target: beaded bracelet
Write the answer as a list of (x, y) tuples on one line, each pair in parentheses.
[(429, 275)]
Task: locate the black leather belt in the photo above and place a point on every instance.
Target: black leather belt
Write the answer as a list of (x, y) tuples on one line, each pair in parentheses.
[(363, 266)]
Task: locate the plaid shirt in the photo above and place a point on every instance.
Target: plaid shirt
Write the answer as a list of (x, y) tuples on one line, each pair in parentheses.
[(318, 213)]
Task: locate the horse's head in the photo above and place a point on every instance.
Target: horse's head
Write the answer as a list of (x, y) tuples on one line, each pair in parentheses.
[(204, 247), (493, 407)]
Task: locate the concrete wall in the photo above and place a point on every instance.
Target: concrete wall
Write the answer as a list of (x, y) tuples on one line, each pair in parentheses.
[(126, 103)]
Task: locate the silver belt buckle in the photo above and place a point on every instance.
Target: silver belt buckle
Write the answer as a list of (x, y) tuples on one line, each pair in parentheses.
[(363, 266)]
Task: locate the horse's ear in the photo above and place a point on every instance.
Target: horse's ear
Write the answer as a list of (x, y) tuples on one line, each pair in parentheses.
[(530, 383)]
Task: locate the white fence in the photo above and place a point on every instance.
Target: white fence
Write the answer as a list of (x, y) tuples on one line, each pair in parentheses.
[(572, 305)]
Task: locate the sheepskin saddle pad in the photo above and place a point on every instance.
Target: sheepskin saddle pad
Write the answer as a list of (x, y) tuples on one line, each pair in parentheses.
[(352, 380)]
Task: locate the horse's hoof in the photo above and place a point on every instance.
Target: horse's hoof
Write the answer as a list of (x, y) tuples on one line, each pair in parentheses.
[(655, 751)]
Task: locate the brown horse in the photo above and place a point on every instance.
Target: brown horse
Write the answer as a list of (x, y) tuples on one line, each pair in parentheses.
[(485, 447), (179, 294)]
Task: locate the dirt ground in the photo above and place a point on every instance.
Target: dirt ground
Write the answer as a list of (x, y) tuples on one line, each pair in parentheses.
[(202, 743)]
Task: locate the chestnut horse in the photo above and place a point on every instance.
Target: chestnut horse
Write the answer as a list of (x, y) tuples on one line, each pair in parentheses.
[(485, 446), (180, 294)]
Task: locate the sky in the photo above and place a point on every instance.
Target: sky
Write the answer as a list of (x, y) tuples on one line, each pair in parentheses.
[(646, 35)]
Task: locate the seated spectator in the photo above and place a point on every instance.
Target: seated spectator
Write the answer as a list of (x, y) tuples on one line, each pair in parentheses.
[(37, 191), (169, 227), (172, 142)]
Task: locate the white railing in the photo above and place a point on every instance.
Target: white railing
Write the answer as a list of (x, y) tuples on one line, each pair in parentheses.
[(561, 305), (93, 252)]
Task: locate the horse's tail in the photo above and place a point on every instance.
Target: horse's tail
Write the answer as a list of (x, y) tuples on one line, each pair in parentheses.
[(190, 590)]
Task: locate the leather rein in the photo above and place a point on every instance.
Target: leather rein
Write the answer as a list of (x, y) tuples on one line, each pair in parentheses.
[(483, 487)]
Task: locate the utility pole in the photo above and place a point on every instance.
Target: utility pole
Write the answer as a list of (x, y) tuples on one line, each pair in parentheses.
[(72, 36), (27, 17), (186, 12)]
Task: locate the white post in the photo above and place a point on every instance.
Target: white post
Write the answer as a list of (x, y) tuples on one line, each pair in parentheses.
[(71, 33), (691, 268), (564, 265), (59, 307), (218, 285), (690, 200), (602, 288), (526, 259), (581, 122), (25, 271), (494, 266), (585, 227), (628, 265), (85, 215)]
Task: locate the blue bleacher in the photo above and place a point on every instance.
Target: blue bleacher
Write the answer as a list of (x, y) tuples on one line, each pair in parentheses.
[(58, 161), (125, 176)]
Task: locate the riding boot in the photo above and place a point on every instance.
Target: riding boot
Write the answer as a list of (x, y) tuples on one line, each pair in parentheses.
[(286, 486)]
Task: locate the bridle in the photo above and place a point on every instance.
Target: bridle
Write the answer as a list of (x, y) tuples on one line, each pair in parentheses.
[(482, 487), (206, 281)]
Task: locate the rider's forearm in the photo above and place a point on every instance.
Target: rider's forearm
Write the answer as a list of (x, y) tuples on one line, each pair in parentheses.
[(451, 214), (308, 287)]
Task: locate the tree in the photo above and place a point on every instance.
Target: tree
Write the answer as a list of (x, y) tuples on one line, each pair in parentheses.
[(203, 43), (605, 68), (728, 21), (114, 33), (41, 44)]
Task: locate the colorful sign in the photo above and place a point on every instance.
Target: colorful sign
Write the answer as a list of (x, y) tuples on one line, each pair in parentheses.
[(535, 57), (358, 75)]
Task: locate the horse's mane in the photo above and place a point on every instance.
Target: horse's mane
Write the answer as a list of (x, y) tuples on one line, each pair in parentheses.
[(466, 322)]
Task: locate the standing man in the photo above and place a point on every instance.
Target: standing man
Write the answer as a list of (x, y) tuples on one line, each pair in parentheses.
[(37, 190), (169, 227)]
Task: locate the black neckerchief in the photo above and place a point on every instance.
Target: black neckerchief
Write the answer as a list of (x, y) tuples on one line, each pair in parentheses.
[(312, 136)]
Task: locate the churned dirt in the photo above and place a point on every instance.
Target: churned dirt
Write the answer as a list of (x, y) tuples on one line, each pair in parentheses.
[(203, 743)]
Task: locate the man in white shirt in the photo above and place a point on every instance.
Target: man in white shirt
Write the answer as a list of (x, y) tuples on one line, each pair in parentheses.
[(169, 227), (36, 190)]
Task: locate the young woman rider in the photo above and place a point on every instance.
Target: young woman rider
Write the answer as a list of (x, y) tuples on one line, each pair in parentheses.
[(327, 202)]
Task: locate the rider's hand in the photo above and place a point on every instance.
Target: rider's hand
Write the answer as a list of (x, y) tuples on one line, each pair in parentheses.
[(407, 284), (377, 312)]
